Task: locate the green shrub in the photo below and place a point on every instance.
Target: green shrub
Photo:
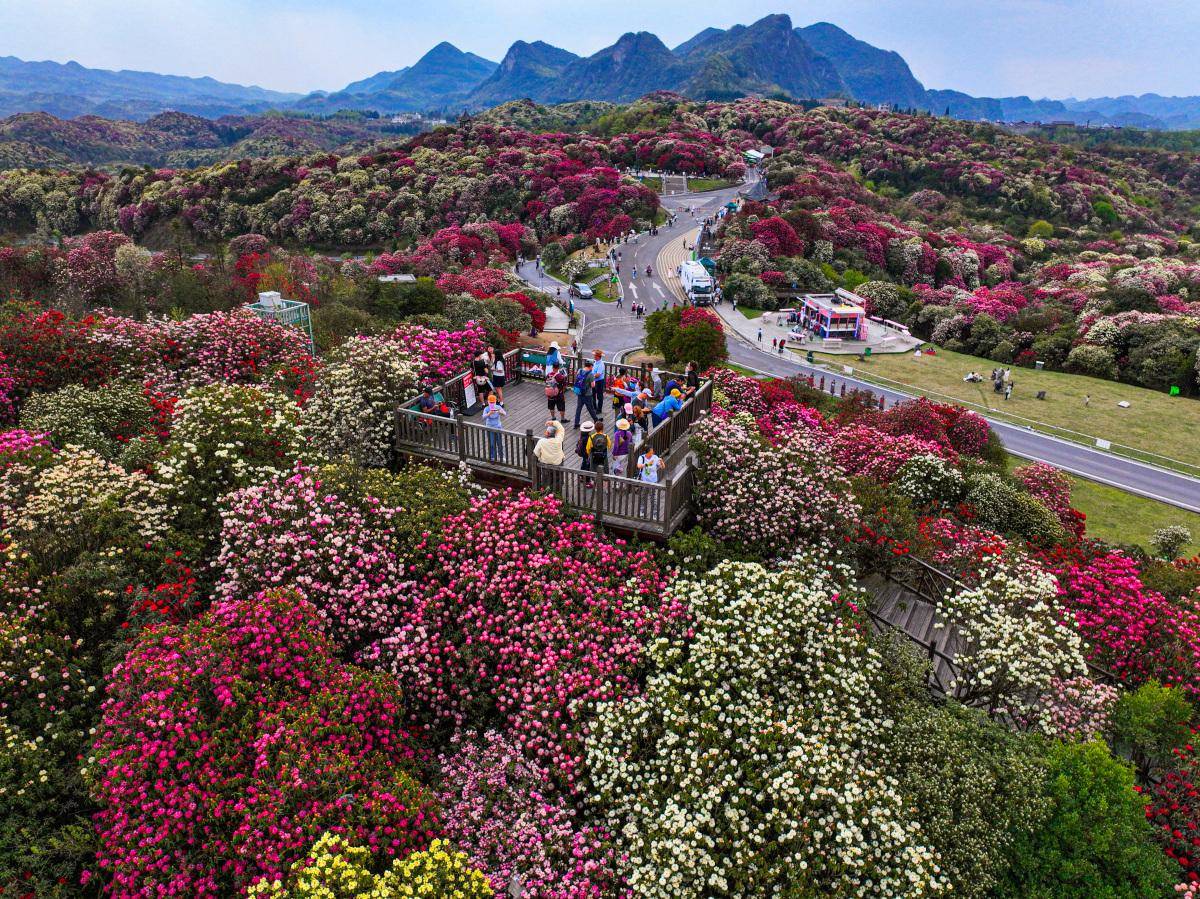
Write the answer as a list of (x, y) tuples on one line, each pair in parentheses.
[(1151, 720), (975, 787), (1096, 842), (1095, 361), (749, 291)]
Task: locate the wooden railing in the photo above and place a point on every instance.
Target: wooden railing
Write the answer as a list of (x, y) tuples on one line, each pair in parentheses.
[(621, 502)]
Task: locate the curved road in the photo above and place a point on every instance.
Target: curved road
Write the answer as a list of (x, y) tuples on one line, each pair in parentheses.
[(617, 330)]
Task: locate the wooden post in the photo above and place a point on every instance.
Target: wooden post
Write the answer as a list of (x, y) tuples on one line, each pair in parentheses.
[(529, 442), (461, 434), (666, 512), (598, 490)]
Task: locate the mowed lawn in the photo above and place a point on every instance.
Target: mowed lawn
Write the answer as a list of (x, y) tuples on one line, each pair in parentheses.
[(1154, 422), (1120, 517)]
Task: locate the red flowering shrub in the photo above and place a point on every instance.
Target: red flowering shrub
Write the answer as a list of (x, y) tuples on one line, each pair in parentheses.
[(516, 615), (229, 745), (1133, 631), (1173, 808), (45, 350)]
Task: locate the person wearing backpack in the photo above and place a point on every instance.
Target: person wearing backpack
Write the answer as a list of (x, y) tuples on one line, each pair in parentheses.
[(598, 448), (556, 393), (581, 446), (584, 399)]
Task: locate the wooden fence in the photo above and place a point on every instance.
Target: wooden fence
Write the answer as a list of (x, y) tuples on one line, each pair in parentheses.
[(656, 509)]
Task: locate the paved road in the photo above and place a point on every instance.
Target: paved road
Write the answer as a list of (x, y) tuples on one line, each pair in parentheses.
[(615, 330)]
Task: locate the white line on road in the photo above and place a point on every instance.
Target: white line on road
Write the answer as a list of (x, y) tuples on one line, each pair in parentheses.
[(633, 287)]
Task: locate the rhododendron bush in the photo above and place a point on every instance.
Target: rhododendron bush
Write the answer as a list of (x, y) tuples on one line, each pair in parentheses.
[(502, 808), (772, 500), (775, 695), (515, 614), (1133, 631), (229, 745)]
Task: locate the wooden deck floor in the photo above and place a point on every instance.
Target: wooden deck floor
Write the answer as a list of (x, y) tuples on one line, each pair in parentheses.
[(525, 403)]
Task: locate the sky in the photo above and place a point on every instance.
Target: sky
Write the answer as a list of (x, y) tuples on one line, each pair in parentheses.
[(1042, 48)]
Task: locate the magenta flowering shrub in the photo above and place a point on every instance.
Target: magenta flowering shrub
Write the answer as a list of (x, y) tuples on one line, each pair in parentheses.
[(515, 615), (442, 354), (8, 386), (1131, 630), (229, 745), (503, 810)]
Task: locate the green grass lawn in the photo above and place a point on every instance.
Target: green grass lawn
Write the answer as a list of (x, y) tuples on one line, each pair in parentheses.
[(699, 185), (751, 313), (1120, 517), (1154, 422), (653, 182)]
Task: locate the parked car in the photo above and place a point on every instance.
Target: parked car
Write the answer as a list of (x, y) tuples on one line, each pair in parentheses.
[(581, 290)]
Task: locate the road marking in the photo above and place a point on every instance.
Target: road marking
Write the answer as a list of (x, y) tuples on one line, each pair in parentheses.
[(658, 290), (633, 287)]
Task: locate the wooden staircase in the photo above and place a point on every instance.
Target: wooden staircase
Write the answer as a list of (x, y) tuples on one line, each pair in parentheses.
[(898, 607)]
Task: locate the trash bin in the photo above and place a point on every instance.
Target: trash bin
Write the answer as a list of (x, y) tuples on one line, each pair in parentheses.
[(867, 352), (1039, 365)]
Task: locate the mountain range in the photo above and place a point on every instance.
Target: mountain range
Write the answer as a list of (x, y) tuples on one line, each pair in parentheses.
[(769, 58)]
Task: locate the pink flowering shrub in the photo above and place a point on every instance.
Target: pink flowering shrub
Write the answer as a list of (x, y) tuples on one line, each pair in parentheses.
[(442, 353), (1075, 708), (767, 499), (1131, 630), (18, 445), (501, 808), (229, 745), (8, 387), (515, 615), (865, 452), (1052, 489), (292, 531), (736, 393)]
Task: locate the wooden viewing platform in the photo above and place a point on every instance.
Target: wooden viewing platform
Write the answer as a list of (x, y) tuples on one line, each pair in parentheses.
[(650, 509)]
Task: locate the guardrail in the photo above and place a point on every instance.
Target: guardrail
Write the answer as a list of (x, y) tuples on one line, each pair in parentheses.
[(654, 509)]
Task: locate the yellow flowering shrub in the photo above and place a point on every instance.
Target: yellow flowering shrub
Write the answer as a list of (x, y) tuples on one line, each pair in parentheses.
[(334, 870)]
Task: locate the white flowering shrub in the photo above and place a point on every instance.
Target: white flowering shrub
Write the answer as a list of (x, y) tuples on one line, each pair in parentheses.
[(352, 411), (1017, 639), (767, 499), (223, 438), (973, 784), (746, 766), (104, 419), (927, 480)]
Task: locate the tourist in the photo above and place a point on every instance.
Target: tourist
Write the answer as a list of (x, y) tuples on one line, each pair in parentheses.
[(692, 377), (656, 380), (670, 404), (598, 383), (493, 412), (781, 344), (584, 388), (581, 445), (772, 344), (1008, 389), (426, 403), (760, 337), (622, 447), (650, 465), (597, 449), (1087, 400), (549, 448), (498, 373), (556, 392), (481, 372), (553, 358)]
